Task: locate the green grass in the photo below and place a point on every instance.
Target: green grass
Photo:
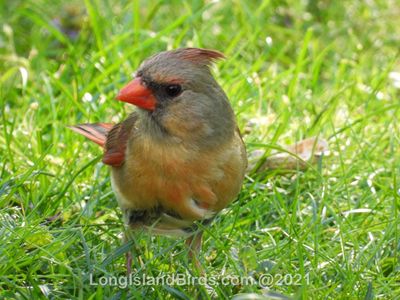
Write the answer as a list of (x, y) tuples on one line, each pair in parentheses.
[(300, 68)]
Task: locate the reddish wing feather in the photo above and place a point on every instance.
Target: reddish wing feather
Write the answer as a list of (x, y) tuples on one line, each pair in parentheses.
[(117, 139), (113, 138), (95, 132)]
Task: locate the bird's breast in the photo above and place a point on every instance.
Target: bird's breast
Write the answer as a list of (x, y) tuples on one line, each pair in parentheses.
[(189, 183)]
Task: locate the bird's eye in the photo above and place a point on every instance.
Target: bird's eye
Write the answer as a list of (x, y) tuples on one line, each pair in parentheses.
[(173, 90)]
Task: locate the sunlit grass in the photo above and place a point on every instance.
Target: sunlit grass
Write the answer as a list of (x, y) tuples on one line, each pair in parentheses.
[(293, 70)]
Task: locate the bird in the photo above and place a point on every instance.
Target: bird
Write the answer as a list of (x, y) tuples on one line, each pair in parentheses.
[(179, 158)]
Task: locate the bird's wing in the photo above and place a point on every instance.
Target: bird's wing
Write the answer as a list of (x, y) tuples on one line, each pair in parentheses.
[(113, 138), (95, 132), (117, 139)]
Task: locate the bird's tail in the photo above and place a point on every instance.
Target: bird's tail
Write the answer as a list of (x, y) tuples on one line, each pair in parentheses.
[(298, 156), (95, 132)]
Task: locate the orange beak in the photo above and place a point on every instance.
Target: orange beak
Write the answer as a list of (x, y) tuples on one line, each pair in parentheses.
[(137, 94)]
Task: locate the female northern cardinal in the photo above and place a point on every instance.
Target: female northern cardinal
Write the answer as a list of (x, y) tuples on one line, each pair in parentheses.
[(179, 158)]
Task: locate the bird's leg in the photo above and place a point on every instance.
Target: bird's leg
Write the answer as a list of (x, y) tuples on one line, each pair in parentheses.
[(194, 244), (128, 256), (129, 235)]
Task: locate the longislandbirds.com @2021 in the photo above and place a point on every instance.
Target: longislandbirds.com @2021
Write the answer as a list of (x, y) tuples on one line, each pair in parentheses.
[(180, 279)]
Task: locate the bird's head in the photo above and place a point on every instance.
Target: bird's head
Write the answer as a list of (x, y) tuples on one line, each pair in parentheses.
[(178, 96)]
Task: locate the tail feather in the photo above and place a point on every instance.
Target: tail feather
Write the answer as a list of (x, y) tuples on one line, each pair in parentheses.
[(95, 132), (298, 156)]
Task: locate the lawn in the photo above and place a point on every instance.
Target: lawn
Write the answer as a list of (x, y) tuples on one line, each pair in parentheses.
[(294, 69)]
